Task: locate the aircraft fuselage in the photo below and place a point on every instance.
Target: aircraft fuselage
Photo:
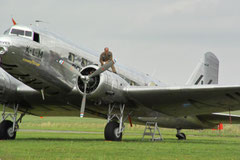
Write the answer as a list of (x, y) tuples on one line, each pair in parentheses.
[(52, 66)]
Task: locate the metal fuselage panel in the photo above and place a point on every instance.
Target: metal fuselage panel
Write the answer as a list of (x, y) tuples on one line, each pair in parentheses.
[(37, 66)]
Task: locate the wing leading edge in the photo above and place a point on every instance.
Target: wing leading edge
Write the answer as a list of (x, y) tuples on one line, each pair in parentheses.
[(187, 100)]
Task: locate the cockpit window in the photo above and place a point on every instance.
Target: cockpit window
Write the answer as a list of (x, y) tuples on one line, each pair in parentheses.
[(36, 37), (28, 34), (17, 32), (20, 32)]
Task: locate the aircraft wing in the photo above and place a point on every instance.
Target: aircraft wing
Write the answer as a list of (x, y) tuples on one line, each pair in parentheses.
[(24, 91), (187, 100), (220, 117)]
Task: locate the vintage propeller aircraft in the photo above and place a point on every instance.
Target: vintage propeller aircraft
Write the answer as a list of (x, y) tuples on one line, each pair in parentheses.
[(42, 74)]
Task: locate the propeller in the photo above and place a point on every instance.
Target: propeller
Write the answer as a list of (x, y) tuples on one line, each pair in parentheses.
[(86, 79)]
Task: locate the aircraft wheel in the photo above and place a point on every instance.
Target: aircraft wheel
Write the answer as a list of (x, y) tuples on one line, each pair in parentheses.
[(181, 136), (111, 131), (6, 130)]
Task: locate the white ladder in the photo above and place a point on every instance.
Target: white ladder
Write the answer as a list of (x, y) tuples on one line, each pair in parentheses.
[(153, 131)]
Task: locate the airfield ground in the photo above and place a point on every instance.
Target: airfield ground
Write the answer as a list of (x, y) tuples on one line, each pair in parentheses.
[(31, 144)]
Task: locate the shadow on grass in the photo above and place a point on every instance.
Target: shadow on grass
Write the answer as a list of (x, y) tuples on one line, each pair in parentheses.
[(208, 135), (197, 141), (60, 139), (135, 140)]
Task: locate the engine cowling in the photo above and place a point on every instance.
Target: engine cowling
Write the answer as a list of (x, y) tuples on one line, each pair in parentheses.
[(106, 87), (5, 86)]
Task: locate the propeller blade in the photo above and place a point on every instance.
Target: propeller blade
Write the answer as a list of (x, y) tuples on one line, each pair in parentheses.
[(83, 100), (101, 69)]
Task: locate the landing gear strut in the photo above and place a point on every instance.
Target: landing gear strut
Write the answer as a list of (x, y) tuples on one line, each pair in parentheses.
[(8, 128), (113, 130), (179, 135)]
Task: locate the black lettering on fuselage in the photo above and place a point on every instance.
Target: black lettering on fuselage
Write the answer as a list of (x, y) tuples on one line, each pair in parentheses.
[(38, 53)]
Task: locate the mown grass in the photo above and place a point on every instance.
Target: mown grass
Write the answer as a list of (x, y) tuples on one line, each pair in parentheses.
[(206, 144), (97, 125), (84, 146)]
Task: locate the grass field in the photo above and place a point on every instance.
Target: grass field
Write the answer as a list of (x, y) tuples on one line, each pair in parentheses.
[(206, 144)]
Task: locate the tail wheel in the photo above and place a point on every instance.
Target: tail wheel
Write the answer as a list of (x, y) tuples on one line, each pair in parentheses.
[(111, 131), (6, 130)]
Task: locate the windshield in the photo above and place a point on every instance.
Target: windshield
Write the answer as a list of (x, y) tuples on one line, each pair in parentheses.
[(6, 32), (27, 34), (17, 32)]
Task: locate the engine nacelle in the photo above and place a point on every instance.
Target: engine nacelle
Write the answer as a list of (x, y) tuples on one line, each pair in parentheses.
[(5, 86), (106, 87)]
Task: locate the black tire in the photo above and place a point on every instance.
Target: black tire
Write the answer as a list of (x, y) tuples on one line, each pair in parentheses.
[(111, 130), (5, 130), (181, 136)]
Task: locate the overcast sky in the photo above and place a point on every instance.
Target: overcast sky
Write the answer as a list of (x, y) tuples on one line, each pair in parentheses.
[(165, 38)]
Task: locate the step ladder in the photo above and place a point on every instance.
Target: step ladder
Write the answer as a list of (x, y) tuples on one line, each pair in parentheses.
[(151, 129)]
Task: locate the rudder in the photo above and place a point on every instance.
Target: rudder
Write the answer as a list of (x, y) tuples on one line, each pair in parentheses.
[(206, 71)]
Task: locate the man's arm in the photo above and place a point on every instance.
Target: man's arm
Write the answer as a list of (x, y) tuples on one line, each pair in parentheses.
[(101, 60), (110, 57)]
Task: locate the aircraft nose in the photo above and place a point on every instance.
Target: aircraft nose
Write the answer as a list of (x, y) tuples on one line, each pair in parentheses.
[(4, 44), (3, 50)]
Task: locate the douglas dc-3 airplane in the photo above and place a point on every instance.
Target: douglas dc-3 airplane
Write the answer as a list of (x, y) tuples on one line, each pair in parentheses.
[(42, 74)]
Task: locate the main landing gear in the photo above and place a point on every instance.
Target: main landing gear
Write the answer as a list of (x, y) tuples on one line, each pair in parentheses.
[(115, 127), (9, 128), (179, 135)]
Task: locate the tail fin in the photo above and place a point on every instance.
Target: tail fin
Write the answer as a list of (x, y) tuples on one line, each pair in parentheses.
[(206, 71)]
